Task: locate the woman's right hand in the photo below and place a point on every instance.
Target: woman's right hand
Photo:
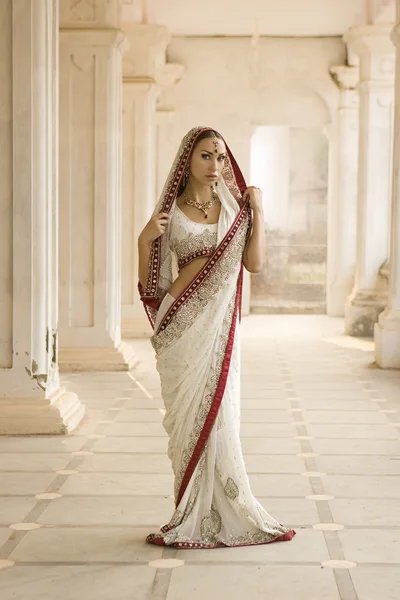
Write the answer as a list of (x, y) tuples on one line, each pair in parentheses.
[(154, 228)]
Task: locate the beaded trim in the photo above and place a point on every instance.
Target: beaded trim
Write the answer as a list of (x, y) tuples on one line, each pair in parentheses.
[(200, 253), (158, 539)]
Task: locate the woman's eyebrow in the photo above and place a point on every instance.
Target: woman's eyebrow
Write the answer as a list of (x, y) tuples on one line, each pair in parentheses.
[(210, 153)]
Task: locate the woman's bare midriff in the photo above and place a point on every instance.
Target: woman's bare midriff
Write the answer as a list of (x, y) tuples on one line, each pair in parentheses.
[(186, 276)]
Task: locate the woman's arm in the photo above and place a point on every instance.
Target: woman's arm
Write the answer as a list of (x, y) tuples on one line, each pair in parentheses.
[(154, 228), (255, 251), (144, 259)]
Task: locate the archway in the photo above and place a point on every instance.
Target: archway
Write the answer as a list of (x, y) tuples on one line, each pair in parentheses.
[(289, 161)]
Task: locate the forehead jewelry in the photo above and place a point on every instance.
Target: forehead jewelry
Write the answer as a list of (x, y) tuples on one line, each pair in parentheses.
[(215, 141)]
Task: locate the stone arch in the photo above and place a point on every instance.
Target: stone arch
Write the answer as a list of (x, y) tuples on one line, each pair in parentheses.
[(292, 103)]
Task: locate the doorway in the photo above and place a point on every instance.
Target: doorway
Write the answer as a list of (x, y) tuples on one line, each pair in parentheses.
[(290, 165)]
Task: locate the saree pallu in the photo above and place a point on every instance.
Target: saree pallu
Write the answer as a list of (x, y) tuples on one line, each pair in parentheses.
[(198, 358)]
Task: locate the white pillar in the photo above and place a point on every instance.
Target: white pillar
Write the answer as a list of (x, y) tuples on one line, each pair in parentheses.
[(375, 50), (165, 145), (31, 399), (342, 191), (91, 49), (139, 193), (387, 330), (145, 73)]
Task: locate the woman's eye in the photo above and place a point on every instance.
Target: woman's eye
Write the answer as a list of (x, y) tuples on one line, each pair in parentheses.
[(221, 158), (205, 156)]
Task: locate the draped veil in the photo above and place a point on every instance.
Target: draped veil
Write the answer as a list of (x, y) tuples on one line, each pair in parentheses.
[(162, 267)]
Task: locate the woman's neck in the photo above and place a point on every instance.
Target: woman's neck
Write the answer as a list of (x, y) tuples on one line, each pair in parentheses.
[(198, 192)]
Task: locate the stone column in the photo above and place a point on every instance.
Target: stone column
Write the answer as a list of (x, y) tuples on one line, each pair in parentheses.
[(138, 186), (375, 50), (166, 143), (165, 146), (91, 49), (342, 191), (31, 399), (387, 330), (145, 73)]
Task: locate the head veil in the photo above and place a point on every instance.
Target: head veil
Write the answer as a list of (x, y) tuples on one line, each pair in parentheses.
[(162, 266)]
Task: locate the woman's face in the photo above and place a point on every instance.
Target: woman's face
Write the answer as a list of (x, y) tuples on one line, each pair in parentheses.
[(207, 161)]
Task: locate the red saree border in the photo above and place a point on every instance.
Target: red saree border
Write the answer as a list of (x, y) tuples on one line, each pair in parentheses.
[(207, 251), (153, 303), (236, 184), (204, 271), (149, 305), (169, 197), (219, 393)]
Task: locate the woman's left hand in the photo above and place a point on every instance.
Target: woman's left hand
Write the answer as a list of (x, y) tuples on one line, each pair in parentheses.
[(254, 195)]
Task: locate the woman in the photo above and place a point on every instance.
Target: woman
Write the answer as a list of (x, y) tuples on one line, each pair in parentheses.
[(205, 228)]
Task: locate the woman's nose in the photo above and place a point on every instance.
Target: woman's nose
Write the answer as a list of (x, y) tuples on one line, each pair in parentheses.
[(213, 166)]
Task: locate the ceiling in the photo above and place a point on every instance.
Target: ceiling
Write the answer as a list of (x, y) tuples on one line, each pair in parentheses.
[(257, 17)]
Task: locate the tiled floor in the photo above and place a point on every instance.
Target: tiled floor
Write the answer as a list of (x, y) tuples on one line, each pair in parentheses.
[(321, 436)]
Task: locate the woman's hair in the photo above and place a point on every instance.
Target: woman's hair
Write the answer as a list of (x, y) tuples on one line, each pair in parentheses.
[(208, 133)]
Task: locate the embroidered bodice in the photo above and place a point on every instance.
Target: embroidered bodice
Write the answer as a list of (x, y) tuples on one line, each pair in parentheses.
[(189, 240)]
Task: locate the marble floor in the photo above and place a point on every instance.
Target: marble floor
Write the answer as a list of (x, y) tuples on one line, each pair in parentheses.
[(321, 437)]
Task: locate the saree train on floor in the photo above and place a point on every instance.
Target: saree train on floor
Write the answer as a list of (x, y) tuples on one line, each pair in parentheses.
[(197, 346)]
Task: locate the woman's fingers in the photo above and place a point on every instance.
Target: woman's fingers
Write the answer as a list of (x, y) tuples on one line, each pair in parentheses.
[(162, 218), (162, 225)]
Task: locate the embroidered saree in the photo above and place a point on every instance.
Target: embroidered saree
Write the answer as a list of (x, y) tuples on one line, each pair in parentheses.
[(197, 345)]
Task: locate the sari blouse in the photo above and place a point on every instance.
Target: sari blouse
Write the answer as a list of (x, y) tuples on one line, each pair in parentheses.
[(189, 240)]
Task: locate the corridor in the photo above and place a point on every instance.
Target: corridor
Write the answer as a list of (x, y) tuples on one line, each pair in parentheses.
[(320, 431)]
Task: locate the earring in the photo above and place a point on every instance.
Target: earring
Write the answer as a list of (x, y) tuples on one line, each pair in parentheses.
[(186, 176)]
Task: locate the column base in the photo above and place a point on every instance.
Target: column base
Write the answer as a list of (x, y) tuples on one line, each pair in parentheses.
[(59, 414), (362, 311), (136, 328), (387, 341), (336, 297), (121, 358)]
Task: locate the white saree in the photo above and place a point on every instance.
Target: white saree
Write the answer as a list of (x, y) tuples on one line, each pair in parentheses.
[(196, 339)]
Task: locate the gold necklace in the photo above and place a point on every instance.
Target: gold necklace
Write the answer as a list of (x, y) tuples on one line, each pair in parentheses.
[(203, 206)]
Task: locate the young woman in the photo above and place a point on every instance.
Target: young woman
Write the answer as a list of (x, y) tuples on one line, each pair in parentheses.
[(206, 227)]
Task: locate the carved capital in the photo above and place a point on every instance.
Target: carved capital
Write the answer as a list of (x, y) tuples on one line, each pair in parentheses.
[(170, 74), (90, 13), (345, 77), (148, 47), (374, 48), (369, 39)]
